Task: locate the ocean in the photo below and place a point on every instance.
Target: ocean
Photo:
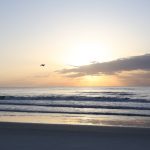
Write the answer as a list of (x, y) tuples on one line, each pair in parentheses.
[(122, 106)]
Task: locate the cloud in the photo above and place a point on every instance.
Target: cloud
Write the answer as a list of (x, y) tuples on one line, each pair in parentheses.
[(135, 78), (133, 63)]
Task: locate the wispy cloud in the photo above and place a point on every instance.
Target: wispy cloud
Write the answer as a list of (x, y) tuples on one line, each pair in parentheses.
[(141, 62)]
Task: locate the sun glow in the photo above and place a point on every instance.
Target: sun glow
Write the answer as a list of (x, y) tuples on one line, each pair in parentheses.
[(85, 53)]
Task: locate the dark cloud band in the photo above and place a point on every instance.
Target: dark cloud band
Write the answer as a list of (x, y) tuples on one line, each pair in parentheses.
[(141, 62)]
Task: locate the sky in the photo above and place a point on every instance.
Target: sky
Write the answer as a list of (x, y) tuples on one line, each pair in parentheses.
[(82, 43)]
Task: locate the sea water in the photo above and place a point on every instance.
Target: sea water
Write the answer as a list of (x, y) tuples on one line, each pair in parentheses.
[(78, 105)]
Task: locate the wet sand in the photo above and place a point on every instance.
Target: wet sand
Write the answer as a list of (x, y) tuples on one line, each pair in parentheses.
[(33, 136)]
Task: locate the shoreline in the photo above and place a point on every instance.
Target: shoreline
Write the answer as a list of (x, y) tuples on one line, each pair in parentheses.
[(86, 120), (74, 128)]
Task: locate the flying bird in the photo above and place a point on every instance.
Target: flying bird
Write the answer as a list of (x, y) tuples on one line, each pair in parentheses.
[(42, 65)]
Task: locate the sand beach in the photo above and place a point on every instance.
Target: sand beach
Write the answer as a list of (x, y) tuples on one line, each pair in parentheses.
[(36, 136)]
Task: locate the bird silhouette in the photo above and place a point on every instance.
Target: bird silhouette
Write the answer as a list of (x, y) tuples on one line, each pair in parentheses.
[(42, 65)]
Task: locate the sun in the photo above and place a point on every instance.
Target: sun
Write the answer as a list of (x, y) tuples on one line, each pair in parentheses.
[(87, 52)]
